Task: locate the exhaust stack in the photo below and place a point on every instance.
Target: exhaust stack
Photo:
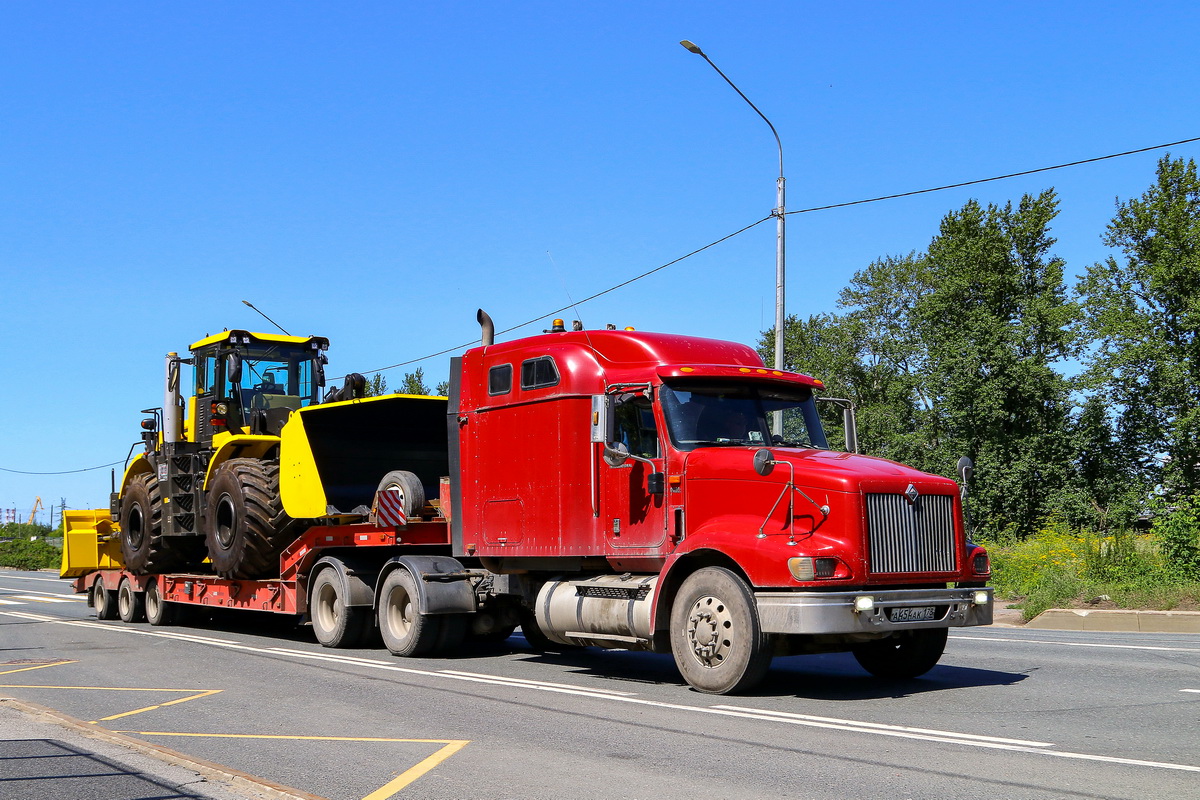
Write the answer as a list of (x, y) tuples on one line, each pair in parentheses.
[(489, 329), (172, 402)]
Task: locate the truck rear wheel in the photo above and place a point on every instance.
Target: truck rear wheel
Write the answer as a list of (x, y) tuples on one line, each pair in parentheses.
[(334, 623), (245, 526), (104, 601), (716, 638), (130, 605), (144, 549), (903, 655), (158, 611), (405, 630)]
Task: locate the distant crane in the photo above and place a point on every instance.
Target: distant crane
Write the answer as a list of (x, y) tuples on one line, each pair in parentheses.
[(36, 505)]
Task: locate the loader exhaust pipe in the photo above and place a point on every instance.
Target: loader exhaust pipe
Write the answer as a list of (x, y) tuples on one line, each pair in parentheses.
[(489, 328)]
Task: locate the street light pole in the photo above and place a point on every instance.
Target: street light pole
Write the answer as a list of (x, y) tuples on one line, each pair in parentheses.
[(778, 212)]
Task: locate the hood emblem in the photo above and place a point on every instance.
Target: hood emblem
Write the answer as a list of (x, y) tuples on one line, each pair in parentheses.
[(911, 494)]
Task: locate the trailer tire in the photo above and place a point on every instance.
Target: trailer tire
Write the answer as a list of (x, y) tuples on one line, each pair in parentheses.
[(158, 611), (903, 655), (245, 526), (144, 549), (130, 602), (405, 630), (716, 638), (104, 601), (334, 623), (409, 487)]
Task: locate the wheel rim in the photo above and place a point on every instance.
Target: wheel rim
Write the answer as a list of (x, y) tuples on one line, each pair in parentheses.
[(226, 521), (151, 601), (710, 631), (124, 600), (327, 606), (400, 612), (137, 526)]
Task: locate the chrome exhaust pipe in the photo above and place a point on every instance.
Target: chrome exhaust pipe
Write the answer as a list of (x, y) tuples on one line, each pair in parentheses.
[(489, 329)]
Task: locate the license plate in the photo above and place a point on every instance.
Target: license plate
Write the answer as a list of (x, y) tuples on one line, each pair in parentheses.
[(912, 614)]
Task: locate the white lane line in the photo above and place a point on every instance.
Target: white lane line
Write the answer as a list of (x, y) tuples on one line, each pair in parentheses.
[(33, 598), (4, 602), (1080, 644), (27, 592), (803, 718), (848, 726), (1195, 691), (60, 581), (522, 681)]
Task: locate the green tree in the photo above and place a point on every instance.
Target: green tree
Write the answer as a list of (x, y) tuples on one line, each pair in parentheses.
[(376, 386), (1142, 310), (414, 383)]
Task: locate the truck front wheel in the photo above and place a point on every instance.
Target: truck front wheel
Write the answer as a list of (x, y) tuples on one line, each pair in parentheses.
[(716, 638), (903, 655), (405, 630)]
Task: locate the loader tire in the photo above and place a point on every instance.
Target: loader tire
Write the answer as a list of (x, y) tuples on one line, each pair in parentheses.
[(143, 547), (245, 526)]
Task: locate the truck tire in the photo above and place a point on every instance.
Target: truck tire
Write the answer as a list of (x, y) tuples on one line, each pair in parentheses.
[(158, 611), (130, 604), (144, 549), (334, 623), (104, 601), (245, 526), (716, 638), (903, 655), (405, 630), (409, 487)]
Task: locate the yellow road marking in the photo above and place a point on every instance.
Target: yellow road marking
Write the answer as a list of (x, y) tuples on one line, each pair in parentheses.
[(206, 693), (408, 776), (98, 688), (38, 666), (388, 790)]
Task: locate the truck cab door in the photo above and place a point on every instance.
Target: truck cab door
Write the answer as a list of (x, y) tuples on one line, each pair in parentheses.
[(632, 507)]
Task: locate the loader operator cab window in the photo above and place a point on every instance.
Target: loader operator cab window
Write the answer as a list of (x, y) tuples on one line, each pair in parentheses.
[(716, 413), (275, 376)]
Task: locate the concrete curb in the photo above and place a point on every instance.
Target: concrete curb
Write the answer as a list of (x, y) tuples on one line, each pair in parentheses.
[(250, 786), (1119, 620)]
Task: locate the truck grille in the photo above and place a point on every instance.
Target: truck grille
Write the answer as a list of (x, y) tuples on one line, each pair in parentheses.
[(910, 537)]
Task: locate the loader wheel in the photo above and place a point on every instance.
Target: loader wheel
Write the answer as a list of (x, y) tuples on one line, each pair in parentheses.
[(245, 526), (143, 547), (903, 655)]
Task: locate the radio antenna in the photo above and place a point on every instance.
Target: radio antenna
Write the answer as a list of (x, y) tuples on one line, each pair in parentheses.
[(268, 319)]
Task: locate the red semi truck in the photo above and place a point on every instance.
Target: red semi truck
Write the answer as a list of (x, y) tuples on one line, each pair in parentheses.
[(605, 488)]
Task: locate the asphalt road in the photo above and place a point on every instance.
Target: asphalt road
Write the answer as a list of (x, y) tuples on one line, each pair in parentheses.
[(1009, 713)]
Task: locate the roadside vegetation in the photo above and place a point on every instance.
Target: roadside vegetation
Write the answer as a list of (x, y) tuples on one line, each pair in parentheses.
[(1076, 400), (26, 547)]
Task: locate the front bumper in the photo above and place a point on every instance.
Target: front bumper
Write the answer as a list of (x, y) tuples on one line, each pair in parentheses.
[(835, 612)]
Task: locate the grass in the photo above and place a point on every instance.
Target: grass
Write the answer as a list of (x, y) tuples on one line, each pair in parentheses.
[(1060, 568), (29, 555)]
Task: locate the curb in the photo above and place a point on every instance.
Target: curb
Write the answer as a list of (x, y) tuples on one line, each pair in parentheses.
[(1118, 621), (231, 778)]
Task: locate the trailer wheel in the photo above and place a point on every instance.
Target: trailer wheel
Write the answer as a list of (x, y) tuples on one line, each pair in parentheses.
[(718, 643), (104, 601), (903, 655), (130, 605), (408, 486), (405, 630), (158, 611), (335, 623), (144, 549), (245, 525)]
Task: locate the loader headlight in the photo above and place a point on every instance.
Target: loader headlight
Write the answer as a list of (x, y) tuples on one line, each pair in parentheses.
[(220, 408)]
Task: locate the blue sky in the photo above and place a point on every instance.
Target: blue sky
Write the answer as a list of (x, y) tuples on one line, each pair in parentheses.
[(374, 172)]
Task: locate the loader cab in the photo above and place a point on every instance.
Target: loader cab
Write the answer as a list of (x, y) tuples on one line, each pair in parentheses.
[(250, 383)]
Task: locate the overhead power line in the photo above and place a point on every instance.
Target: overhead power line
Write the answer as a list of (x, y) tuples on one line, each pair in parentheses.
[(712, 244)]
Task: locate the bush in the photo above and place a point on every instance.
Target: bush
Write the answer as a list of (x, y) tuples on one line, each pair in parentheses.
[(26, 554), (1178, 532)]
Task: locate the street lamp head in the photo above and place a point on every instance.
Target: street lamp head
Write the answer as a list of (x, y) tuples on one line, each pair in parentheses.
[(691, 47)]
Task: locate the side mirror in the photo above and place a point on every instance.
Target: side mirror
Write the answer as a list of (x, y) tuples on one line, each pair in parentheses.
[(966, 469), (764, 461), (616, 454), (233, 369), (656, 483), (602, 418), (319, 367)]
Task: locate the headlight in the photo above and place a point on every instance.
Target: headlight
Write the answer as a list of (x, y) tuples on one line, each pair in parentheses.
[(864, 603)]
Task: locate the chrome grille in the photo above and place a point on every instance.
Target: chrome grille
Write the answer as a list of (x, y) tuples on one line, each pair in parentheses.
[(910, 537)]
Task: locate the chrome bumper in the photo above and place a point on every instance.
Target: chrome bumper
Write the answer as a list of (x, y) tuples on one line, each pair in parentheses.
[(835, 612)]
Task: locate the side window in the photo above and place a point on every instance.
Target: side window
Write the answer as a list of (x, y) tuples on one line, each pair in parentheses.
[(500, 379), (636, 428), (538, 372), (206, 374)]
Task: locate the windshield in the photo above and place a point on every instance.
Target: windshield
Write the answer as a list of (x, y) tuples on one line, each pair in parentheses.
[(275, 376), (720, 413)]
